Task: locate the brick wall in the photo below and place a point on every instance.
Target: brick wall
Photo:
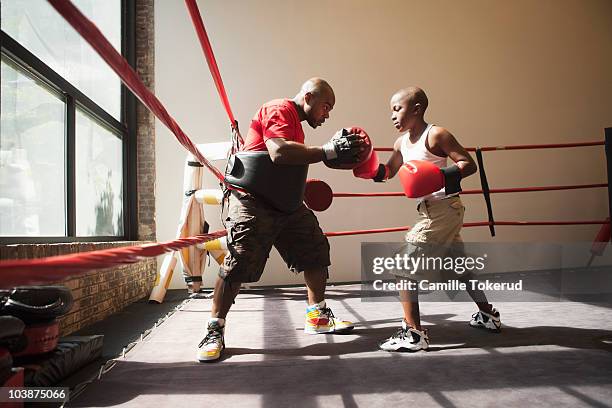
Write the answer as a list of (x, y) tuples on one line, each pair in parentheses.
[(101, 293), (145, 64)]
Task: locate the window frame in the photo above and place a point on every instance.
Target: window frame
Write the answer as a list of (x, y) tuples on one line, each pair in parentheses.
[(124, 129)]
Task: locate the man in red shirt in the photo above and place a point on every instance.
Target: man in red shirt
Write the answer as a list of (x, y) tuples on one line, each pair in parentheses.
[(256, 221)]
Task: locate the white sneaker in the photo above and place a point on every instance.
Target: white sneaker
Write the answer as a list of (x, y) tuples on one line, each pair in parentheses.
[(488, 321), (406, 339), (212, 345)]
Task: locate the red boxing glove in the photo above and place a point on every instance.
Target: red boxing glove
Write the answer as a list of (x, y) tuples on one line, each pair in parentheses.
[(420, 178), (372, 169)]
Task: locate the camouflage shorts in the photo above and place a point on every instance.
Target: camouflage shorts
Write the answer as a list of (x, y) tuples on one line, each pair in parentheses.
[(253, 227)]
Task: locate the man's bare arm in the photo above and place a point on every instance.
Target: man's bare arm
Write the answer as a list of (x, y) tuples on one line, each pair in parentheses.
[(286, 152)]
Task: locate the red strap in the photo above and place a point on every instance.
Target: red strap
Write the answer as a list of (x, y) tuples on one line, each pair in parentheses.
[(129, 77), (198, 24)]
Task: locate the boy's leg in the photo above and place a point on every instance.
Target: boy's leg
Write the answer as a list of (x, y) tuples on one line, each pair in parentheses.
[(410, 305), (486, 317), (410, 337), (479, 297)]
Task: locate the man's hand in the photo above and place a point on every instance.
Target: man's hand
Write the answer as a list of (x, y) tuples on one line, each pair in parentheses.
[(347, 148)]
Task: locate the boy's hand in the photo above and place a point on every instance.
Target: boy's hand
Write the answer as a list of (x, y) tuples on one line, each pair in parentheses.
[(372, 169), (420, 178)]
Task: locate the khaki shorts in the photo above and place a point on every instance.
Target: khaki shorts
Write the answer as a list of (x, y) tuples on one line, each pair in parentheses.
[(438, 222), (253, 227), (436, 233)]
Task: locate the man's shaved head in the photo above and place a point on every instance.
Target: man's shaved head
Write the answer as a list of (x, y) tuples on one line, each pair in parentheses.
[(314, 101), (412, 95), (316, 86)]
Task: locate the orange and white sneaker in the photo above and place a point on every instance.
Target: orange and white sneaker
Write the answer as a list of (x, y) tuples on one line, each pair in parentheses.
[(320, 319), (212, 345)]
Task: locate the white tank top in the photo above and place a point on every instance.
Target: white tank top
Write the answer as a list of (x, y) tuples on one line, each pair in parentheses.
[(419, 151)]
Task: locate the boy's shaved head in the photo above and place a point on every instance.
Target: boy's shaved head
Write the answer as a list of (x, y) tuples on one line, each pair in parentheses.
[(411, 96), (408, 107)]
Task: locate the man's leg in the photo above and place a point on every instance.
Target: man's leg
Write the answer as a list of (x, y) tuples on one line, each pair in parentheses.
[(319, 317), (249, 242), (316, 281), (224, 295)]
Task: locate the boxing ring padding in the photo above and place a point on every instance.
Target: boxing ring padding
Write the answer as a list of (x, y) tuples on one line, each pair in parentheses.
[(547, 352)]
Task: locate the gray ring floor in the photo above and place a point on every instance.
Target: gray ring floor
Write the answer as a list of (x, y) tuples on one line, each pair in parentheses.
[(548, 354)]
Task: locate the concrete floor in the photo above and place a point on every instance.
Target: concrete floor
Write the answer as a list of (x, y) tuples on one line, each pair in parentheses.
[(549, 354)]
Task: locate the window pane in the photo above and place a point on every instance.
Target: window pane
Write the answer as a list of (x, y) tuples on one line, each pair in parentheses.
[(99, 174), (32, 170), (40, 29)]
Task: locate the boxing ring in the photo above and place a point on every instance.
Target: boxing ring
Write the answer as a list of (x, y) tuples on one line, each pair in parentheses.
[(266, 324)]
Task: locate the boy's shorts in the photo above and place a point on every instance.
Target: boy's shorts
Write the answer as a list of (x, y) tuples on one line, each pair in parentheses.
[(253, 227), (436, 233)]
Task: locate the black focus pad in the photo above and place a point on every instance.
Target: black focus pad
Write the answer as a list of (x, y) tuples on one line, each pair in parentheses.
[(353, 147), (34, 304)]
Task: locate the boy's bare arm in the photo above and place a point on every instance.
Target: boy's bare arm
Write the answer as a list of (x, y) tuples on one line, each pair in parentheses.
[(396, 160), (446, 142)]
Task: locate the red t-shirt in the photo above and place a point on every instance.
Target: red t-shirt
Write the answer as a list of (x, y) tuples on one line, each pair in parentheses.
[(277, 118)]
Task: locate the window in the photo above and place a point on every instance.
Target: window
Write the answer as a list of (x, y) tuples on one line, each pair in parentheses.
[(66, 122), (32, 170), (99, 199)]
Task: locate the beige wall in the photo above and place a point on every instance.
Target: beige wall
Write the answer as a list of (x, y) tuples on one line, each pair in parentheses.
[(496, 73)]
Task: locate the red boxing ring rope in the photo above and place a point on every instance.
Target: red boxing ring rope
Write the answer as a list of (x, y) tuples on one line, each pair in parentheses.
[(467, 225), (518, 147), (56, 268), (198, 24), (492, 191), (129, 77)]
